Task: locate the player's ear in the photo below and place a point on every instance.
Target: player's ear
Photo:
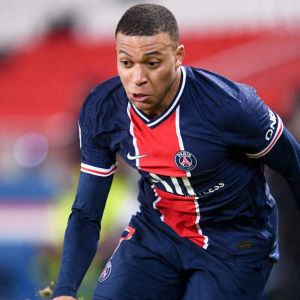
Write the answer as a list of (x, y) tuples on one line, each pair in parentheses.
[(179, 55)]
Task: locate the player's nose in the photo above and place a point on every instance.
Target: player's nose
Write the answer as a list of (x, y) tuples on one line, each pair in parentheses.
[(139, 75)]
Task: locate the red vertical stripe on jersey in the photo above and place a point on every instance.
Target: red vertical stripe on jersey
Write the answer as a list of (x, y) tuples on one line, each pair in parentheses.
[(160, 144), (180, 213)]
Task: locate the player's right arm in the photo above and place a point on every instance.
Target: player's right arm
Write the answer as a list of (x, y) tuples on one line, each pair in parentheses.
[(83, 229), (82, 233)]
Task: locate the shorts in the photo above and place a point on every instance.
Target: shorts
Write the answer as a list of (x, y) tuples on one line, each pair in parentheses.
[(154, 264)]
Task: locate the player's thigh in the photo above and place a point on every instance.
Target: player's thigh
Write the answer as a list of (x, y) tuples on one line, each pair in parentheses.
[(252, 278), (135, 273), (234, 281)]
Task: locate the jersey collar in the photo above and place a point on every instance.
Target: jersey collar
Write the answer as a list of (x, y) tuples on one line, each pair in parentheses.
[(159, 119)]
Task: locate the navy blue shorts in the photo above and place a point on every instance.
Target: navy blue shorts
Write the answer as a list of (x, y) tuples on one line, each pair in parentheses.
[(149, 264)]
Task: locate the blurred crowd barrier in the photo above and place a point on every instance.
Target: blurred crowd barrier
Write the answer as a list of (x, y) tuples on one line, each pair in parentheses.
[(49, 66)]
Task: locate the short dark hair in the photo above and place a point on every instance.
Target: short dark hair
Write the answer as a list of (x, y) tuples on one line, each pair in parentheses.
[(148, 20)]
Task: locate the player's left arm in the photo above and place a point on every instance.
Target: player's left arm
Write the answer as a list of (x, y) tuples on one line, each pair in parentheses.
[(259, 132), (284, 157)]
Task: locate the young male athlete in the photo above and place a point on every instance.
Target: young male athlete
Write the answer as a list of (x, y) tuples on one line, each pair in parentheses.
[(207, 225)]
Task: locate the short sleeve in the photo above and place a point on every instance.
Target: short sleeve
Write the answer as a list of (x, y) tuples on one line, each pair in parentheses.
[(96, 156), (251, 125)]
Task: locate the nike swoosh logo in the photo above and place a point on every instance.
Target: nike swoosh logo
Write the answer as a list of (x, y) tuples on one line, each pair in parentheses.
[(133, 157)]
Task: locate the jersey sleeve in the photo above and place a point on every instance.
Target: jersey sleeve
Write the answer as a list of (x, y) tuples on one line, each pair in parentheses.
[(83, 229), (250, 125), (96, 156), (82, 232), (289, 163)]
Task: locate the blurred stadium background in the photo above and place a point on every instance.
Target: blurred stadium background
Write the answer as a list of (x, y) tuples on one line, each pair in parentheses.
[(52, 52)]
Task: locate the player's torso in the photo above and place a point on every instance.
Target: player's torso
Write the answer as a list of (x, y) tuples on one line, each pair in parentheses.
[(182, 151), (189, 174), (179, 154), (190, 177)]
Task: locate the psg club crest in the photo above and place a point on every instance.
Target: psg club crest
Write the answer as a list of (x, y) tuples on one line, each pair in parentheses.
[(106, 271), (185, 160)]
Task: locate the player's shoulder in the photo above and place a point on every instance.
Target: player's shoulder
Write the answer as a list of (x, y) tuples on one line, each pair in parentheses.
[(220, 87), (106, 93), (221, 94), (105, 102), (217, 97)]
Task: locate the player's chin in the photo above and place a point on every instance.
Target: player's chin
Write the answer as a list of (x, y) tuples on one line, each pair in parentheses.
[(142, 105)]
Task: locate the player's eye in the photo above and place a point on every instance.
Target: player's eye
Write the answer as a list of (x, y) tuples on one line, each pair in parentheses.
[(153, 64), (125, 63)]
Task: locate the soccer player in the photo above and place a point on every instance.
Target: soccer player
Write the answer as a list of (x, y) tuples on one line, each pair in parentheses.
[(207, 225)]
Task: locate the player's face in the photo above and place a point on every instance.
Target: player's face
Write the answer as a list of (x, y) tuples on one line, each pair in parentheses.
[(149, 70)]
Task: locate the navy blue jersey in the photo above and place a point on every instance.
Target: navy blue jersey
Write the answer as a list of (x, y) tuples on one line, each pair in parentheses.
[(198, 160)]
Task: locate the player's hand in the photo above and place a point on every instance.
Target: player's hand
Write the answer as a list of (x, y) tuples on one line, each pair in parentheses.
[(64, 298)]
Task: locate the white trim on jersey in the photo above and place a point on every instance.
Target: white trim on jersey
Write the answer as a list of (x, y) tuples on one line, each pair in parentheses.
[(79, 131), (85, 168), (178, 128), (177, 186), (140, 114), (271, 144), (188, 186), (156, 201), (188, 174), (134, 141), (198, 225), (164, 183)]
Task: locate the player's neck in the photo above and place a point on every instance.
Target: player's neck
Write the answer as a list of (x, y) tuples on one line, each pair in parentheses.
[(167, 98)]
